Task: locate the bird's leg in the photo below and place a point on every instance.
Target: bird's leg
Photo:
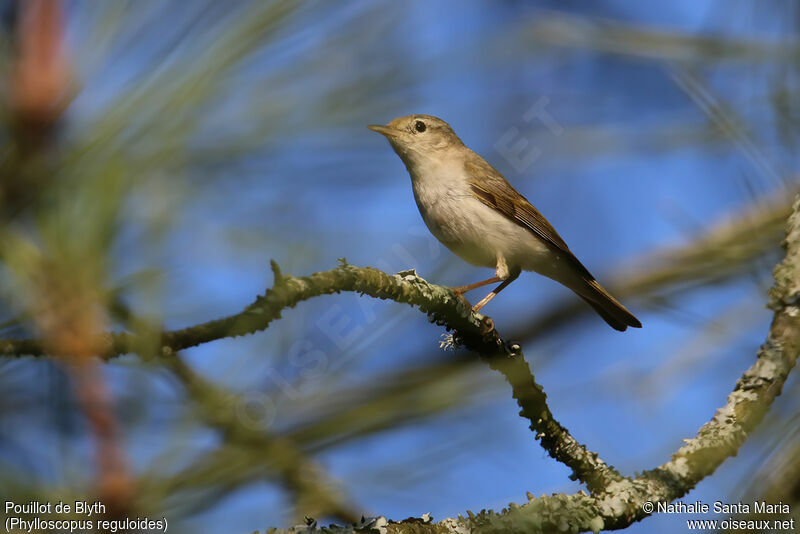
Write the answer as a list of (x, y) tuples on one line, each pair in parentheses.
[(460, 290), (485, 300)]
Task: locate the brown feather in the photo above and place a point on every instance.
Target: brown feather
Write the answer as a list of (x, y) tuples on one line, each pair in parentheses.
[(492, 189), (609, 308), (489, 186)]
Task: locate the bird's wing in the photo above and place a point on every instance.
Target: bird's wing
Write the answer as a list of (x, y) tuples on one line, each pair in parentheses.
[(489, 186)]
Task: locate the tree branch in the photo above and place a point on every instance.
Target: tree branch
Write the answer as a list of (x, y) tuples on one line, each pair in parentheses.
[(616, 501), (474, 331), (621, 503)]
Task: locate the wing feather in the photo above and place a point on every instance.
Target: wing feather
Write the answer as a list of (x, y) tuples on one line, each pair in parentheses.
[(489, 186)]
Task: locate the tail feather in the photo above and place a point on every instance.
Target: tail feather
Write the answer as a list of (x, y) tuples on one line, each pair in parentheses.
[(607, 307)]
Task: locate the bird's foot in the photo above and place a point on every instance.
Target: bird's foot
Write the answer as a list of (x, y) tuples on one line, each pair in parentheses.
[(469, 287)]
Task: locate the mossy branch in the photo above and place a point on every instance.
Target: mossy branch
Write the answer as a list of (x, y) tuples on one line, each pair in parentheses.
[(474, 331), (621, 502), (615, 501)]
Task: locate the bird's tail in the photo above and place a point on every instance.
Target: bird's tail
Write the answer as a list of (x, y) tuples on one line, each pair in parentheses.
[(607, 307)]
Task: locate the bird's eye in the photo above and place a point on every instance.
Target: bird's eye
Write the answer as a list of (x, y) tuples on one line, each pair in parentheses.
[(419, 126)]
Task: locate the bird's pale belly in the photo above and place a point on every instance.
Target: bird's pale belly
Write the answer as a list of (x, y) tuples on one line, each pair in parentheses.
[(484, 237)]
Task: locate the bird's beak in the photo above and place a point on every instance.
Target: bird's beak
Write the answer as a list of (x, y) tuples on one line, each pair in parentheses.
[(388, 131)]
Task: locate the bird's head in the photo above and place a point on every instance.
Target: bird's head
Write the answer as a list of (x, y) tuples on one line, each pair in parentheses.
[(418, 137)]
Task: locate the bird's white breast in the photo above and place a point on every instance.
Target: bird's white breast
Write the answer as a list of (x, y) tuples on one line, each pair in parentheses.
[(474, 231)]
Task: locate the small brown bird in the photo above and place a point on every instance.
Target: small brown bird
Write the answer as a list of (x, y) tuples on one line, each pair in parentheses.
[(473, 210)]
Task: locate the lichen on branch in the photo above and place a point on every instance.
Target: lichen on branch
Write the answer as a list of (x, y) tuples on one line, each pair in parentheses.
[(615, 501)]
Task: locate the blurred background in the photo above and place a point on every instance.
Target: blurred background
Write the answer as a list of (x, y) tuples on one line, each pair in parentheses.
[(154, 156)]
